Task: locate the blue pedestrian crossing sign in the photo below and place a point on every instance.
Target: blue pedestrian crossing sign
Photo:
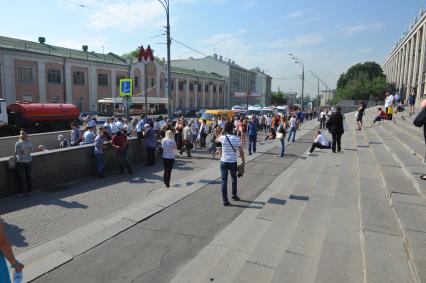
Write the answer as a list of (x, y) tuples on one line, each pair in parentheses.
[(126, 88)]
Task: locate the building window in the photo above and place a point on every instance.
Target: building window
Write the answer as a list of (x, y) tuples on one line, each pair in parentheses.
[(78, 78), (102, 80), (214, 88), (161, 84), (136, 82), (191, 87), (180, 86), (54, 76), (54, 99), (199, 87), (152, 82), (25, 74), (172, 85), (27, 97), (206, 88), (118, 79), (220, 89)]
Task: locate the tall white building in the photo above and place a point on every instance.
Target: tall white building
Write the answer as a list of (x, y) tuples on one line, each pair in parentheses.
[(263, 87), (405, 66)]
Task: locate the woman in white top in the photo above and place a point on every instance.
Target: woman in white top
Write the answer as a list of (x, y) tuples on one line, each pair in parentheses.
[(169, 146), (23, 149)]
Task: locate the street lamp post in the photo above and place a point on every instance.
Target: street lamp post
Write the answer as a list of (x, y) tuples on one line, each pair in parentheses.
[(319, 80), (166, 5), (300, 63)]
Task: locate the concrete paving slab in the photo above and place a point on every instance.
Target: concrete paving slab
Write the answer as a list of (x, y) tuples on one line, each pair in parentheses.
[(372, 188), (296, 268), (339, 262), (254, 273), (46, 264), (386, 258), (417, 247), (252, 235), (411, 199), (344, 226), (101, 236), (397, 182), (412, 216), (227, 267), (378, 216)]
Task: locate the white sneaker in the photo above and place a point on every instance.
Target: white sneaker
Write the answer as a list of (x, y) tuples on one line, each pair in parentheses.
[(309, 153), (318, 149)]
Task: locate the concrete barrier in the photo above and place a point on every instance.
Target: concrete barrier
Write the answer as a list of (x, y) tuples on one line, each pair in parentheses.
[(61, 166), (49, 140)]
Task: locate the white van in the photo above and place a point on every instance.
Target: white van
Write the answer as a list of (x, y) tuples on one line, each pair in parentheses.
[(254, 111)]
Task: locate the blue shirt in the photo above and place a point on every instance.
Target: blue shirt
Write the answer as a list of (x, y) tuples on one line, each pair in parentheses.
[(149, 138), (99, 143), (252, 129), (140, 126)]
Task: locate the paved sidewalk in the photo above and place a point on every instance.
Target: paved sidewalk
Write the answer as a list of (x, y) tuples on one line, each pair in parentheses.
[(153, 250), (46, 230)]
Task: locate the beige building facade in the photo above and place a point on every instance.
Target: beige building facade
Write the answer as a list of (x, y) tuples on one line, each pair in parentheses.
[(405, 66)]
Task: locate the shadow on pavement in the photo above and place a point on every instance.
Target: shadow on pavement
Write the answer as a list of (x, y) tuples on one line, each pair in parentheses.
[(14, 234)]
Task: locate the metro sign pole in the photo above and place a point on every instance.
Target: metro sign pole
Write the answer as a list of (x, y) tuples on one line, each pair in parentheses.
[(145, 56)]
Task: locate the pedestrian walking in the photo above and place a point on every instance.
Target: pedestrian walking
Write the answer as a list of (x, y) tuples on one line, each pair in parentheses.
[(322, 119), (150, 141), (412, 101), (202, 135), (169, 146), (23, 149), (187, 140), (120, 143), (6, 252), (281, 135), (335, 127), (252, 135), (228, 162), (98, 151), (360, 114), (293, 127)]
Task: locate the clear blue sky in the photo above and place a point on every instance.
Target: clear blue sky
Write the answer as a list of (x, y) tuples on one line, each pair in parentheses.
[(329, 35)]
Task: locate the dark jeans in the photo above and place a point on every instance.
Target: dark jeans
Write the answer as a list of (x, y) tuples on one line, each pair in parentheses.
[(100, 163), (377, 119), (282, 141), (185, 148), (317, 144), (123, 158), (232, 168), (23, 169), (168, 166), (203, 140), (150, 155), (322, 123), (252, 143), (336, 139), (292, 130)]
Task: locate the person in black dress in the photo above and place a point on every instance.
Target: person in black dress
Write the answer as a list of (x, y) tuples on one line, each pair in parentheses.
[(335, 127), (360, 114)]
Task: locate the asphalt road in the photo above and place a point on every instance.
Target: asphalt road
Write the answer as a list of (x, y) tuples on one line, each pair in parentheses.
[(155, 249)]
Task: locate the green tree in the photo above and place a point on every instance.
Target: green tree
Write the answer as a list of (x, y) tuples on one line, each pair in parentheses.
[(278, 98), (362, 81)]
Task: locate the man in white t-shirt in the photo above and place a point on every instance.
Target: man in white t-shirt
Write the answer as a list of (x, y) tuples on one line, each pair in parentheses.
[(228, 161), (320, 142), (292, 128)]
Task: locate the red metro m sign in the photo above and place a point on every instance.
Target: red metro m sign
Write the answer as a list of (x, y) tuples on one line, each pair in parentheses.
[(145, 55)]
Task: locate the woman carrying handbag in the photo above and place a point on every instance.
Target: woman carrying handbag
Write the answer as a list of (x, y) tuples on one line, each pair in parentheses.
[(281, 135)]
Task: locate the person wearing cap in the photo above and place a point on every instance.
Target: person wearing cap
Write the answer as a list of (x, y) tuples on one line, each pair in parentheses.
[(88, 136), (120, 143), (23, 149), (63, 143)]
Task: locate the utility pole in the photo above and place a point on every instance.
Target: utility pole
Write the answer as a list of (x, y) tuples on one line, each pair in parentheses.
[(166, 5), (301, 64)]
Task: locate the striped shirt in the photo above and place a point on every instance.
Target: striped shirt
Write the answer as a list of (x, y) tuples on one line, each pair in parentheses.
[(228, 153), (168, 148)]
